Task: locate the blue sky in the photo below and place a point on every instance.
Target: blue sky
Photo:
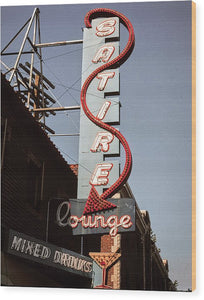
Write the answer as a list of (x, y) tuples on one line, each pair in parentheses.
[(155, 114)]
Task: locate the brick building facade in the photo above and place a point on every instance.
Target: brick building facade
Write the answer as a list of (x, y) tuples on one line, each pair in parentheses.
[(140, 266)]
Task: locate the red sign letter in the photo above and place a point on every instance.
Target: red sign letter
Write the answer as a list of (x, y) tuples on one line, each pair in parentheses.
[(103, 110), (102, 139), (100, 174), (104, 79), (103, 54), (106, 28)]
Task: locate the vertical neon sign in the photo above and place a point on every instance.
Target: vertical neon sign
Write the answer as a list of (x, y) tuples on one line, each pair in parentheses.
[(99, 178)]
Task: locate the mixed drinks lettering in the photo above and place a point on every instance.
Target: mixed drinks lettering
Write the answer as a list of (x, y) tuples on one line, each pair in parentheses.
[(42, 252)]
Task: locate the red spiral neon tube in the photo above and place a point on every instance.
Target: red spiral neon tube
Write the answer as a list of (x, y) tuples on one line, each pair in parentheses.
[(114, 63)]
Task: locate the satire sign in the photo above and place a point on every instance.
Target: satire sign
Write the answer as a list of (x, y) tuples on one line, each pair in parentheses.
[(99, 177), (95, 142), (38, 251)]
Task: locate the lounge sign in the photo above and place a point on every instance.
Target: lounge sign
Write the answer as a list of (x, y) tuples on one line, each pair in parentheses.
[(39, 251), (69, 215), (99, 175)]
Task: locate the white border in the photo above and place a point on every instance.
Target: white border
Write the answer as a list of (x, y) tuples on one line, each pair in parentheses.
[(46, 2), (40, 293)]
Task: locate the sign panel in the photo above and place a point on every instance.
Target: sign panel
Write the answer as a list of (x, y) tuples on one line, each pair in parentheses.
[(27, 247), (99, 176), (120, 219), (94, 141)]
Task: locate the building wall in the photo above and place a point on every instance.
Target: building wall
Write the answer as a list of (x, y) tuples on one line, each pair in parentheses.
[(140, 266), (132, 262), (111, 245), (33, 172)]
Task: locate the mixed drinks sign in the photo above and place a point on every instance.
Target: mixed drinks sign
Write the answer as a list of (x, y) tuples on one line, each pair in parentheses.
[(38, 251)]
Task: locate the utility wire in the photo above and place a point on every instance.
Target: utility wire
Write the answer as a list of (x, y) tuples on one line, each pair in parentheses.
[(67, 90), (76, 81), (72, 51), (75, 160)]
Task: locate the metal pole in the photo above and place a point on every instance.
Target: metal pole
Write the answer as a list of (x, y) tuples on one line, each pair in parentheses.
[(36, 93), (31, 63), (5, 66), (32, 45), (57, 108), (41, 69), (15, 53), (15, 36), (63, 43), (23, 44), (64, 134)]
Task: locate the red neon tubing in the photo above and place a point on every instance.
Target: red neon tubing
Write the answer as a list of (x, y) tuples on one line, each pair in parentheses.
[(114, 63)]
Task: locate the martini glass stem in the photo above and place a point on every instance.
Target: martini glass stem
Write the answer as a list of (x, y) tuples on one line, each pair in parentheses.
[(104, 277)]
